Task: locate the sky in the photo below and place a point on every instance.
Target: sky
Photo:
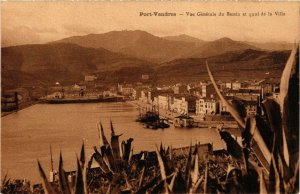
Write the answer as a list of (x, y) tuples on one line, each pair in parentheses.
[(41, 22)]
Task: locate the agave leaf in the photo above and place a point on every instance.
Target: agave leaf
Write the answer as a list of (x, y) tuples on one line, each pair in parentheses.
[(285, 77), (205, 178), (262, 185), (103, 139), (291, 184), (131, 154), (240, 107), (171, 185), (46, 185), (274, 177), (265, 131), (289, 105), (115, 145), (195, 171), (234, 149), (285, 148), (82, 155), (273, 115), (261, 149), (141, 178), (108, 158), (283, 169), (112, 128), (97, 156), (161, 165), (195, 187), (188, 168), (63, 181), (235, 114), (79, 183), (179, 186), (259, 146)]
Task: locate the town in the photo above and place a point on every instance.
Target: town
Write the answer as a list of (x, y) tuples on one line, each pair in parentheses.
[(197, 101)]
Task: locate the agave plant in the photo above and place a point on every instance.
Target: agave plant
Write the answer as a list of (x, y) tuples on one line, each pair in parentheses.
[(270, 143)]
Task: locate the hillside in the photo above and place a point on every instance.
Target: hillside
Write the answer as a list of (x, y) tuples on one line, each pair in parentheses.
[(143, 45), (62, 62), (139, 44), (220, 46), (272, 45), (245, 64), (41, 64)]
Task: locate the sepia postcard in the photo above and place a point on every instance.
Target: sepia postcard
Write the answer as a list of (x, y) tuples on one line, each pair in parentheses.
[(149, 97)]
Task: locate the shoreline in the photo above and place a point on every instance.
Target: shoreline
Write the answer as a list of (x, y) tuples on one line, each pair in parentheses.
[(21, 107)]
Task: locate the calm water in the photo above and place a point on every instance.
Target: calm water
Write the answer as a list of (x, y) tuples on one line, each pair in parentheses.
[(26, 135)]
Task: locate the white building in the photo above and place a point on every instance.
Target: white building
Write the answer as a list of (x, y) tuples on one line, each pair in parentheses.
[(180, 105), (236, 85), (205, 106)]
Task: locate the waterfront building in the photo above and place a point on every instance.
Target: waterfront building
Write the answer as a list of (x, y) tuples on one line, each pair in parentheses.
[(236, 85), (180, 89), (228, 85), (196, 91), (162, 102), (179, 105), (207, 106)]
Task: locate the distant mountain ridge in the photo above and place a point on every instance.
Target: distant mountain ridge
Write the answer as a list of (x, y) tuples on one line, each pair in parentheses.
[(124, 55), (184, 38), (139, 44), (143, 45)]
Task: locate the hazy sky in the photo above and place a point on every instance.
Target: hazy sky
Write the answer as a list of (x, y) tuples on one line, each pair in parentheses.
[(40, 22)]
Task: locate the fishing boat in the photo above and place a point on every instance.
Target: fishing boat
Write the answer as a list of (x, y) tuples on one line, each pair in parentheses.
[(152, 120), (184, 121)]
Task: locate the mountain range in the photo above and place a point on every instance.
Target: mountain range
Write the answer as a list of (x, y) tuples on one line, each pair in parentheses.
[(125, 55)]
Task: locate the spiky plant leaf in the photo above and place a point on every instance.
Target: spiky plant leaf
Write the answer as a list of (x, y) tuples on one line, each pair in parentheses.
[(103, 139), (63, 181), (97, 156), (112, 128), (260, 149), (188, 168), (161, 165), (289, 105), (196, 186), (235, 114), (127, 149), (141, 178), (82, 155), (262, 184), (205, 178), (195, 171), (274, 177), (48, 189), (172, 183), (80, 183), (233, 148)]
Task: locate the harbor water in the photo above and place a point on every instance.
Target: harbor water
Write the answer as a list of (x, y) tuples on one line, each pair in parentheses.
[(27, 135)]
